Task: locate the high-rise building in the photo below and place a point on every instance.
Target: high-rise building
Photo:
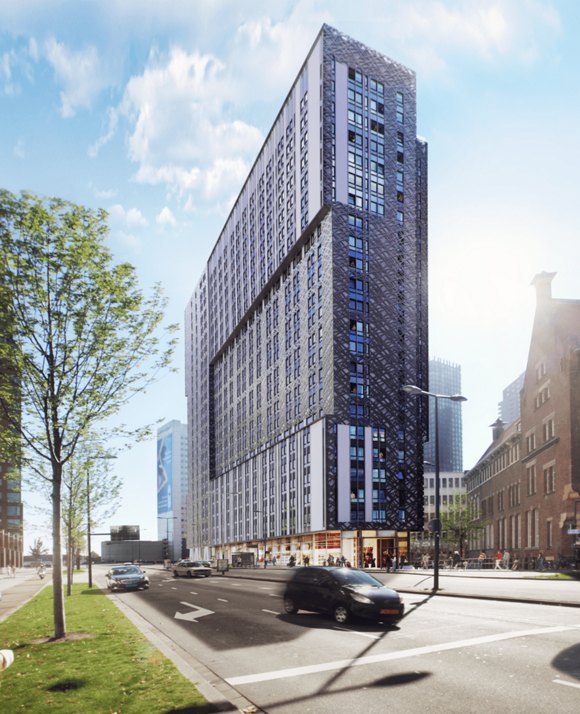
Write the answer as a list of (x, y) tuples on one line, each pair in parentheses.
[(445, 378), (309, 317), (172, 487), (526, 486), (509, 407)]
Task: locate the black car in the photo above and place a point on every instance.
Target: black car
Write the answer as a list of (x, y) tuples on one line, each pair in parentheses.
[(342, 592), (126, 577)]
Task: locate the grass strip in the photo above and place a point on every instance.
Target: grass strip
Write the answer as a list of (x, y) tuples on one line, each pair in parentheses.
[(105, 665)]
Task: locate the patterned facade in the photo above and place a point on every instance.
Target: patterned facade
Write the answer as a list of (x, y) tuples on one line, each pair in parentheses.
[(527, 484), (310, 315)]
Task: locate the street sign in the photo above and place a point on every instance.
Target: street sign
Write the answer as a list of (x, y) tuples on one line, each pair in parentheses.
[(574, 531)]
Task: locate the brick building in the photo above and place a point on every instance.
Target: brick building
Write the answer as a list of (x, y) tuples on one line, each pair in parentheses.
[(527, 483)]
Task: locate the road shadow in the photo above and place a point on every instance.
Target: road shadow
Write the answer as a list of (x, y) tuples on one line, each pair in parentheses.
[(568, 661)]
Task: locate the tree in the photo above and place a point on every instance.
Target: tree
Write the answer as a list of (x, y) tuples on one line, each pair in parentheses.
[(460, 522), (37, 550), (82, 339), (86, 480)]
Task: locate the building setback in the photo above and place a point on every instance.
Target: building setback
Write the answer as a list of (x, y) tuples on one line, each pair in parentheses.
[(309, 317), (527, 484)]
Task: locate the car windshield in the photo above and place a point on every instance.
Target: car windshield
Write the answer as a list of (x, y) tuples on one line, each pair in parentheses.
[(129, 570), (356, 578)]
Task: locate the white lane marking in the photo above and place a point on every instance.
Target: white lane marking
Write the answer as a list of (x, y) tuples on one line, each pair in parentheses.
[(272, 612), (390, 656), (568, 684), (265, 588), (275, 595), (222, 600), (194, 614), (356, 632), (192, 593)]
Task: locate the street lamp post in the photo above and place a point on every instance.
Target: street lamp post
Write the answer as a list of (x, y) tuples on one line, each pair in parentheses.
[(418, 392), (167, 519), (90, 559)]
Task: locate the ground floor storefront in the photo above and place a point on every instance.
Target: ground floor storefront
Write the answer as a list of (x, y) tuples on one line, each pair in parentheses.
[(361, 549)]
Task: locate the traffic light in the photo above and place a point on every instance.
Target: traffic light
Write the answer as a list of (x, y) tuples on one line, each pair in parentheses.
[(165, 548)]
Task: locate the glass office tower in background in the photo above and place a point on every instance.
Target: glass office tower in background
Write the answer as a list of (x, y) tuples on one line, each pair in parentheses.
[(445, 378), (309, 317)]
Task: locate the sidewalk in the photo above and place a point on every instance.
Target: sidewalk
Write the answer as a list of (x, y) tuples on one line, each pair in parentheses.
[(17, 591)]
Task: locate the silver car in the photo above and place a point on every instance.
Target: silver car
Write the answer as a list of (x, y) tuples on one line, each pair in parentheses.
[(127, 577), (191, 569)]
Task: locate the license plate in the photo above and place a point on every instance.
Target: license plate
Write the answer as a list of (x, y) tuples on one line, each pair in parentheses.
[(390, 611)]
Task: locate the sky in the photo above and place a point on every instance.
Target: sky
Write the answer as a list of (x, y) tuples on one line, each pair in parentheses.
[(156, 110)]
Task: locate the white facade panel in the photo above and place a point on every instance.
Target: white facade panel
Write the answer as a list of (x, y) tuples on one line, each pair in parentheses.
[(343, 471), (317, 476)]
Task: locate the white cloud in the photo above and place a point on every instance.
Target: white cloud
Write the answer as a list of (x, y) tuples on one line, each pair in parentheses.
[(432, 32), (182, 133), (19, 150), (131, 217), (112, 121), (80, 73), (166, 217)]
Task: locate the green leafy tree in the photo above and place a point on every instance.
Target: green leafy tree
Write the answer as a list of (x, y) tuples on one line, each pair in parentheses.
[(83, 339), (87, 480), (460, 522), (37, 550)]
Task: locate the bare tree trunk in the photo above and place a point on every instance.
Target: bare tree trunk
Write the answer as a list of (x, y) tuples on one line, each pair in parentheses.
[(58, 597)]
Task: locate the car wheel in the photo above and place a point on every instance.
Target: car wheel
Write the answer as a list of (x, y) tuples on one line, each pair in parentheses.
[(207, 575), (175, 574), (290, 606), (341, 614), (189, 574)]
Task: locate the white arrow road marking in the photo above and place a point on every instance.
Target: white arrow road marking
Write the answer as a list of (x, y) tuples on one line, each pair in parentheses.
[(220, 599), (195, 614), (271, 612)]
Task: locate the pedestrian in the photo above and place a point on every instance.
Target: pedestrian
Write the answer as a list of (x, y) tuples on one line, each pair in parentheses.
[(425, 561), (456, 559), (506, 559), (540, 562), (306, 560), (273, 560), (481, 559), (498, 560), (388, 561)]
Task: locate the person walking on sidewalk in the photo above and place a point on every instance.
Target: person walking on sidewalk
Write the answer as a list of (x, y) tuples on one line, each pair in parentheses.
[(506, 560), (498, 560)]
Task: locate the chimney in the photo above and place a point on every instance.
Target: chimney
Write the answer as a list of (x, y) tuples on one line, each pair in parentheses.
[(543, 284), (497, 427)]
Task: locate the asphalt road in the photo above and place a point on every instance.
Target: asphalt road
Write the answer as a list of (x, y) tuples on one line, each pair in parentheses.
[(447, 654)]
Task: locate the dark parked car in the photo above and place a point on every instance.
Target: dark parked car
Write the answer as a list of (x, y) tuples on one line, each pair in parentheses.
[(191, 568), (342, 592), (126, 577)]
